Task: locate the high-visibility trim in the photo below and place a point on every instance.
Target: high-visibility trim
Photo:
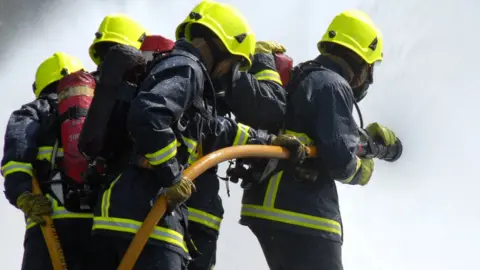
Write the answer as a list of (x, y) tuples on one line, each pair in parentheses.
[(272, 189), (303, 220), (268, 75), (15, 166), (59, 212), (105, 205), (45, 153), (204, 218), (191, 148), (350, 179), (163, 155), (132, 226), (242, 136)]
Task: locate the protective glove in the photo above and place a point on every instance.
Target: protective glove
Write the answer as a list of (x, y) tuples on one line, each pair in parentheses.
[(35, 206), (269, 47), (298, 151), (180, 192), (384, 144), (366, 166), (377, 131)]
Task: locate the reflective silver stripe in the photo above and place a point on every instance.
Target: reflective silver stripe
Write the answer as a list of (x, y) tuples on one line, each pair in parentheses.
[(131, 226), (192, 148), (163, 154), (242, 135), (105, 205), (271, 193), (191, 144), (268, 75), (292, 218), (204, 218), (60, 212), (14, 166), (45, 153), (134, 227)]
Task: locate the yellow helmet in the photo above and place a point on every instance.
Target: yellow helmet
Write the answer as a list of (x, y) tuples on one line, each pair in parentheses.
[(118, 28), (53, 69), (227, 23), (356, 31)]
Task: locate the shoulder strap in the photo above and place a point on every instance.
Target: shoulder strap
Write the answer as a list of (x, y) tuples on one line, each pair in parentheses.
[(300, 72)]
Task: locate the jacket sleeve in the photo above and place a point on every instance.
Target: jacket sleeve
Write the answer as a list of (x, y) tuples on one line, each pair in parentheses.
[(20, 147), (154, 110), (258, 98), (224, 132), (336, 132)]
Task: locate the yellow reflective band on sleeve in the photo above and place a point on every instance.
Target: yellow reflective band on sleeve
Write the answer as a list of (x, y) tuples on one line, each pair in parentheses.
[(278, 215), (268, 75), (349, 179), (163, 155), (45, 153), (191, 148), (132, 226), (301, 136), (204, 218), (60, 212), (14, 167), (242, 136)]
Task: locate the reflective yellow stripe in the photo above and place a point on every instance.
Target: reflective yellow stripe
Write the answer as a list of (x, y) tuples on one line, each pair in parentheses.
[(105, 205), (45, 153), (132, 226), (303, 220), (242, 135), (163, 155), (268, 75), (204, 218), (59, 212), (191, 148), (14, 166), (272, 189)]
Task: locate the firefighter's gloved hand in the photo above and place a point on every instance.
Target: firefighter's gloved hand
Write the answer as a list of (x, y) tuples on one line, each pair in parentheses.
[(298, 151), (377, 131), (366, 166), (180, 192), (35, 206), (269, 47)]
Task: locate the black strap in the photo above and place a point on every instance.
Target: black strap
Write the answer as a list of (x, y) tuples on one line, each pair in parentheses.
[(73, 113)]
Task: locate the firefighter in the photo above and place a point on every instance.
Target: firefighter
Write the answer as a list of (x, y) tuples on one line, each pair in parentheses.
[(257, 99), (31, 149), (170, 124), (295, 213)]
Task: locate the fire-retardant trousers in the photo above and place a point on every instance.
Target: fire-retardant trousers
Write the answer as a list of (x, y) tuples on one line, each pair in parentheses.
[(289, 251), (74, 237), (205, 239)]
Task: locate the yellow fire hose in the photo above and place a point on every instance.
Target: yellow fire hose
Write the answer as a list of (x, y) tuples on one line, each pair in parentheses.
[(192, 172), (51, 237)]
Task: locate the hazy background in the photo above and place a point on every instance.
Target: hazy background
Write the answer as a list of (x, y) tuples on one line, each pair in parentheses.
[(419, 213)]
